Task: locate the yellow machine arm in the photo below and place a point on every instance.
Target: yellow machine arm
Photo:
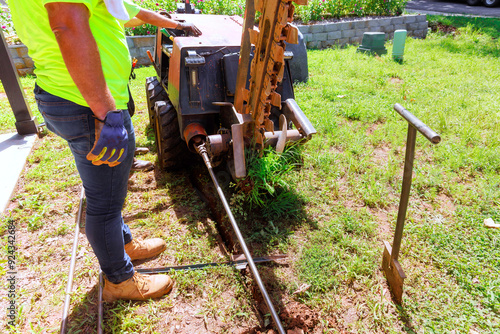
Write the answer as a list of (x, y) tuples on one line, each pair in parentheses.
[(268, 64)]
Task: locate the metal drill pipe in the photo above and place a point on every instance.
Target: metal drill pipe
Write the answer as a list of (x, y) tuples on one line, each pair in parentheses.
[(165, 270), (203, 152), (100, 309), (69, 286)]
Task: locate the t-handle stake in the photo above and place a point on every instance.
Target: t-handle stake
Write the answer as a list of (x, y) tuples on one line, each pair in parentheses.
[(390, 264)]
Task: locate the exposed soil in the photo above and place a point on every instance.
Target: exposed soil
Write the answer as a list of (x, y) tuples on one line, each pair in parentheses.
[(396, 81), (296, 315), (445, 29)]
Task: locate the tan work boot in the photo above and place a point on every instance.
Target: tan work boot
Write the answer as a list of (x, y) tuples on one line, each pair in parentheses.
[(138, 287), (144, 249), (141, 150)]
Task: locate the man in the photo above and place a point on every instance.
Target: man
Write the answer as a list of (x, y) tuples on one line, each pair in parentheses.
[(82, 66)]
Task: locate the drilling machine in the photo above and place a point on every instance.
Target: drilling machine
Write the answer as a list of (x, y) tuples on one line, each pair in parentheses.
[(206, 91), (225, 91)]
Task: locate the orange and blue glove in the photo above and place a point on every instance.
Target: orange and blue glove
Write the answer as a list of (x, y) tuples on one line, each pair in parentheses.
[(111, 140)]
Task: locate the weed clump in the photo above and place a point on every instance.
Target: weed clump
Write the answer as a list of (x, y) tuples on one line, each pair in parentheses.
[(266, 186)]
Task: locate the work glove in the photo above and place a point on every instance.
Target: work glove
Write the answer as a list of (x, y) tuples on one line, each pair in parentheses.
[(111, 140), (189, 29)]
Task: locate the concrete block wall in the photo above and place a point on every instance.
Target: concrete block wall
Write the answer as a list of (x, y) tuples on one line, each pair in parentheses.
[(323, 35), (22, 61), (138, 47), (317, 36)]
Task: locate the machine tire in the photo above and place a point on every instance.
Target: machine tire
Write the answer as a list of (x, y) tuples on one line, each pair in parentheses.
[(154, 93), (173, 152), (491, 3)]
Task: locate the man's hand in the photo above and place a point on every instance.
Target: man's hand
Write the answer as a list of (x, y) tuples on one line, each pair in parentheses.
[(111, 140), (189, 28), (156, 19)]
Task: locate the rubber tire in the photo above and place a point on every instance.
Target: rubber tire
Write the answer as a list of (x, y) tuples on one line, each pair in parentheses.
[(473, 2), (491, 3), (173, 152), (154, 93)]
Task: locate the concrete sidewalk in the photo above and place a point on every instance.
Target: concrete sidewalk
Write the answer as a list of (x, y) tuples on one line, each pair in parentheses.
[(14, 150)]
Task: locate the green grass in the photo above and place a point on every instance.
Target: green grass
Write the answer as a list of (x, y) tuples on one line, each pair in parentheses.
[(486, 26), (451, 84), (265, 187), (346, 182)]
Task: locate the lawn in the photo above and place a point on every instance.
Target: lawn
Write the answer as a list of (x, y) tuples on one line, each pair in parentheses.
[(345, 184)]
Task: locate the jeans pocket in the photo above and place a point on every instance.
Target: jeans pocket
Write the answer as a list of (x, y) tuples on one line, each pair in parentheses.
[(74, 129), (68, 120)]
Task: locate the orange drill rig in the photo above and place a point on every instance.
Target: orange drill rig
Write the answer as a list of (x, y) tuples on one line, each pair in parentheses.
[(230, 88)]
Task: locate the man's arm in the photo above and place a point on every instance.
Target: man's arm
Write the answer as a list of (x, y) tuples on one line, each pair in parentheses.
[(153, 18), (70, 24)]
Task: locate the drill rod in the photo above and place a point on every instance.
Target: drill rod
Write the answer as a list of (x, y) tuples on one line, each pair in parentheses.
[(69, 286), (202, 150), (100, 308), (236, 264)]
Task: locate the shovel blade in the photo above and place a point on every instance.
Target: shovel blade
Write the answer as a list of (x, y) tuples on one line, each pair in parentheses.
[(394, 274)]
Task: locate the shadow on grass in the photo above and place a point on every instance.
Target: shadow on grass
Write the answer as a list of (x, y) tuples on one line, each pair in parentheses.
[(84, 315), (406, 319)]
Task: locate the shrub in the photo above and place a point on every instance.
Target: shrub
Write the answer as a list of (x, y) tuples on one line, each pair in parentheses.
[(6, 25), (317, 10)]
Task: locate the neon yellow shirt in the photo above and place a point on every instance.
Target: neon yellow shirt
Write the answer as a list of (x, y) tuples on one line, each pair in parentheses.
[(32, 25)]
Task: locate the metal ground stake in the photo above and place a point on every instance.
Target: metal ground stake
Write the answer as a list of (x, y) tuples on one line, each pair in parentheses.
[(100, 307), (69, 285), (392, 269)]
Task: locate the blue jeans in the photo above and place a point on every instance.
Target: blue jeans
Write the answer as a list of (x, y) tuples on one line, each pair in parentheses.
[(105, 187)]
